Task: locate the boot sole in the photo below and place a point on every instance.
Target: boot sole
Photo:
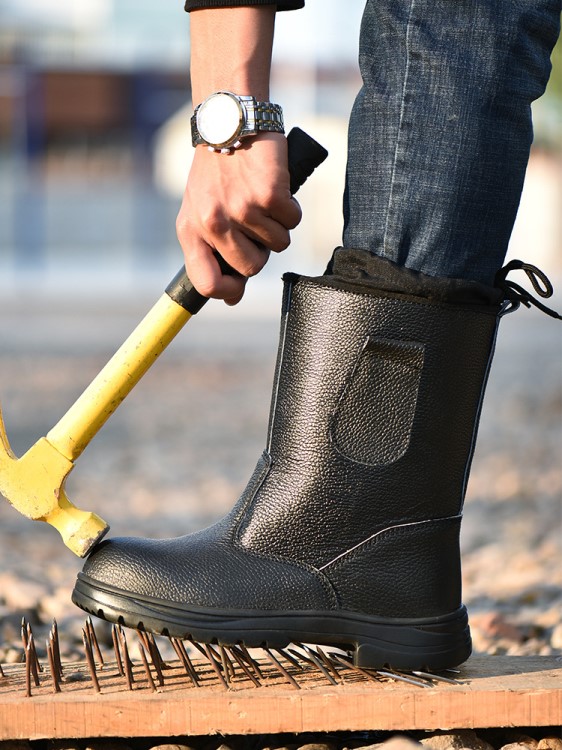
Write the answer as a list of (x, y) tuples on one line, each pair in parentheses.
[(431, 644)]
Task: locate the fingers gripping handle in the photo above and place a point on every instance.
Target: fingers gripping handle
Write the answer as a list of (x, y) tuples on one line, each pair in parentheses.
[(305, 154)]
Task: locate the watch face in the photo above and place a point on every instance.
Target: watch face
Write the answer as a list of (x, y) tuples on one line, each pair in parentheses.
[(220, 119)]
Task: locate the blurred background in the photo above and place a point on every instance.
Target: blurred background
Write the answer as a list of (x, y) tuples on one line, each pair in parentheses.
[(94, 138), (94, 153)]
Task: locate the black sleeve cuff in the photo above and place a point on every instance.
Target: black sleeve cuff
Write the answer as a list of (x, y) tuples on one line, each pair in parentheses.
[(281, 4)]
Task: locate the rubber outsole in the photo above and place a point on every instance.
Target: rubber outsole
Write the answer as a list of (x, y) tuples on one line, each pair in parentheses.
[(431, 644)]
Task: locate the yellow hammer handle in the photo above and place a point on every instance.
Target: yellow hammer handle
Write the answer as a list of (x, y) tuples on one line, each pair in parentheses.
[(120, 375)]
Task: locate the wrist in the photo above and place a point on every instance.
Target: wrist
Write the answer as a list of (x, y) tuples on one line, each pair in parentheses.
[(231, 50)]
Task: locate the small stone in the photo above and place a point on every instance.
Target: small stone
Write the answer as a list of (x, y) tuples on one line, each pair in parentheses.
[(462, 738), (550, 743), (501, 736), (78, 677), (556, 637), (172, 747), (19, 593), (397, 742), (216, 744), (494, 625), (550, 618), (13, 656), (511, 738), (318, 746), (400, 743), (57, 605)]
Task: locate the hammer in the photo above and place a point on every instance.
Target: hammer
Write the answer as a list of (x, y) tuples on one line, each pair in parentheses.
[(34, 483)]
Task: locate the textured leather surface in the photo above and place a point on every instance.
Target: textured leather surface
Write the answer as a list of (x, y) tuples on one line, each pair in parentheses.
[(374, 413), (413, 568)]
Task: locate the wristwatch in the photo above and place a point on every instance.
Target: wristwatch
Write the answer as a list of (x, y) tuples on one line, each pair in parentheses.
[(223, 119)]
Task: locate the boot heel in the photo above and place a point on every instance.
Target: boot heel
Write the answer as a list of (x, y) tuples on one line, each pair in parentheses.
[(430, 646)]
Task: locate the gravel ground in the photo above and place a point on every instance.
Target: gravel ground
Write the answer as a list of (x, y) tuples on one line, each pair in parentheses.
[(463, 739), (178, 452)]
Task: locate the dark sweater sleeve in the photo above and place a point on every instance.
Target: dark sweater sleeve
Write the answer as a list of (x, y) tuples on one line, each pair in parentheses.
[(281, 4)]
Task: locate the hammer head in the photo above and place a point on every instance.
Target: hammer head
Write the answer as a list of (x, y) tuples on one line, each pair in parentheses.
[(34, 485)]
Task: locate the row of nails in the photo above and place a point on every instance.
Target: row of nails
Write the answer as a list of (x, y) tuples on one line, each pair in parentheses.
[(222, 660)]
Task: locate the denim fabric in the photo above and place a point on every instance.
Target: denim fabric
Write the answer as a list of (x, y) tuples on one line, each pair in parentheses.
[(441, 130)]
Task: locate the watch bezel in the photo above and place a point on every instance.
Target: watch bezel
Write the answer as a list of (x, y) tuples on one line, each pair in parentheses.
[(234, 137)]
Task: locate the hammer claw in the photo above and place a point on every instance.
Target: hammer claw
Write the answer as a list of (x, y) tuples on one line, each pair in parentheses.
[(34, 486)]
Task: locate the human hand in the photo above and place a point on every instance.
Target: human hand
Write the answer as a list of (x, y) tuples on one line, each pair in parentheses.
[(238, 205)]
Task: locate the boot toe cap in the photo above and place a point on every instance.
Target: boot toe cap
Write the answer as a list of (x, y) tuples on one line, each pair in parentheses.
[(203, 572)]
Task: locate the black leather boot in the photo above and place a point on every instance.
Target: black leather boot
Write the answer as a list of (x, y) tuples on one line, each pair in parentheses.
[(348, 531)]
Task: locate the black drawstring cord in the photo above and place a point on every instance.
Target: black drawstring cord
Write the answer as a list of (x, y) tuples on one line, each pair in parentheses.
[(517, 295)]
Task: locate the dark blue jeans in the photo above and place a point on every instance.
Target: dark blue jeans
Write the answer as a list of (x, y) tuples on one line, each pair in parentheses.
[(441, 130)]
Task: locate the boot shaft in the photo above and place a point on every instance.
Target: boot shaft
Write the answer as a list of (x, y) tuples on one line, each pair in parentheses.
[(374, 414)]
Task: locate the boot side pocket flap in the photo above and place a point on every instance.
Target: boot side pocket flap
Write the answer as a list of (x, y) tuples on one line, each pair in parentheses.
[(374, 416)]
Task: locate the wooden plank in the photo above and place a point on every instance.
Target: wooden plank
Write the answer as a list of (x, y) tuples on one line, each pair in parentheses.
[(495, 691)]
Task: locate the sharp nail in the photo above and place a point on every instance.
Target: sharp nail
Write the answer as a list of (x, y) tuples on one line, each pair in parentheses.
[(436, 677), (38, 664), (144, 639), (209, 653), (86, 635), (156, 655), (116, 649), (146, 667), (183, 656), (127, 664), (239, 660), (52, 664), (55, 645), (189, 662), (227, 665), (403, 678), (198, 646), (317, 661), (348, 664), (34, 660), (282, 669), (329, 664), (291, 659), (94, 641), (90, 660), (249, 660), (28, 672), (300, 656)]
